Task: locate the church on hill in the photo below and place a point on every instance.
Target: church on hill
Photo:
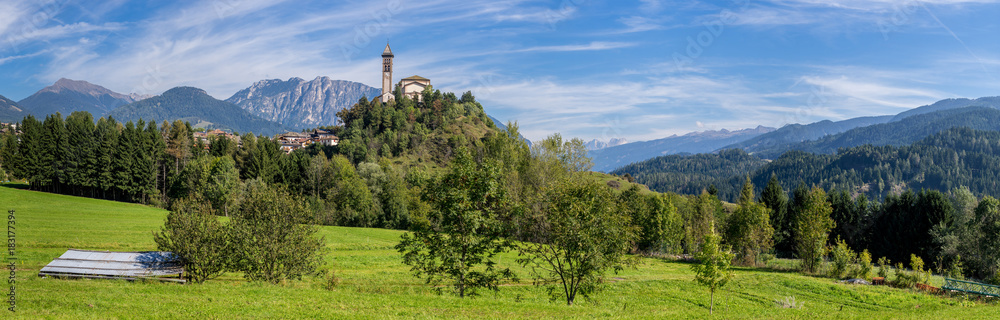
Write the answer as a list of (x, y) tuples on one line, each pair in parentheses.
[(411, 87)]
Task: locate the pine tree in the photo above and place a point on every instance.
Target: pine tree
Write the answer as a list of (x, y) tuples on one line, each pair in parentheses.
[(775, 198), (81, 161)]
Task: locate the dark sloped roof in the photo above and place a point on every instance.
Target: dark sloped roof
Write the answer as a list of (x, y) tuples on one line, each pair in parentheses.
[(108, 264), (387, 51), (415, 77)]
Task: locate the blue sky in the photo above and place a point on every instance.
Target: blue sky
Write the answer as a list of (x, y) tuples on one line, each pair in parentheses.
[(599, 69)]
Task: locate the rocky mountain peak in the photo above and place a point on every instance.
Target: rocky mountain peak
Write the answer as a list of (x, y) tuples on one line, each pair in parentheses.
[(298, 103)]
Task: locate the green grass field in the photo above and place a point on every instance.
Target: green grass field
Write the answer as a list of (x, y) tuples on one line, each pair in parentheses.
[(374, 284)]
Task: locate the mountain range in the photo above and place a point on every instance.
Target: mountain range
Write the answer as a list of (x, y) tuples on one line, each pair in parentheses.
[(197, 107), (820, 137), (66, 96), (301, 104), (598, 144), (610, 158)]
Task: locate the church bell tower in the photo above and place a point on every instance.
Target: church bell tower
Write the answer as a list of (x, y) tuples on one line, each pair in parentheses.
[(387, 74)]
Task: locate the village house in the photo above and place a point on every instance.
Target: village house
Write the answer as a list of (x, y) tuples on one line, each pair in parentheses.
[(205, 137), (8, 127), (291, 141)]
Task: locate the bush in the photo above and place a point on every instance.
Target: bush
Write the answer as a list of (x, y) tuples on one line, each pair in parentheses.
[(864, 270), (842, 256), (883, 267), (919, 274), (904, 279), (957, 270), (195, 235)]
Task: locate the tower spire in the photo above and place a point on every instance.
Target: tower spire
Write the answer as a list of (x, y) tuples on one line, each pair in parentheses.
[(387, 73)]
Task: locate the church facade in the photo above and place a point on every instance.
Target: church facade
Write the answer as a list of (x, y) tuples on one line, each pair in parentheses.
[(411, 87)]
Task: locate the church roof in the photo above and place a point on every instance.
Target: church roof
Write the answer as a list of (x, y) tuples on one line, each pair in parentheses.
[(416, 78), (387, 51)]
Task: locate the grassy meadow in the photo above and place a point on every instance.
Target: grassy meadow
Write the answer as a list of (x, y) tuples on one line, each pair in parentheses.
[(374, 284)]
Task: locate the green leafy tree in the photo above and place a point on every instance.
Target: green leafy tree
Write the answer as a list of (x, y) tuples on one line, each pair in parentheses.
[(812, 225), (349, 197), (222, 186), (461, 243), (271, 236), (712, 269), (582, 236), (749, 230), (193, 233)]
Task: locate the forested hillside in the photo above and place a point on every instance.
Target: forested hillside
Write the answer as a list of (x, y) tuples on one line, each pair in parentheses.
[(898, 133), (9, 110), (785, 138), (946, 160)]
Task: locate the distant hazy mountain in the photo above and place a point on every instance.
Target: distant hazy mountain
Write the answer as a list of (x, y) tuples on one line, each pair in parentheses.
[(990, 102), (196, 106), (10, 111), (598, 144), (787, 136), (297, 103), (900, 133), (696, 142), (66, 96)]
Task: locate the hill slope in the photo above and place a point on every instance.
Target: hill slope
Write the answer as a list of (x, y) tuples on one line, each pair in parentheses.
[(898, 133), (196, 106), (10, 111), (373, 282), (784, 138), (66, 96), (947, 104), (610, 158), (299, 104)]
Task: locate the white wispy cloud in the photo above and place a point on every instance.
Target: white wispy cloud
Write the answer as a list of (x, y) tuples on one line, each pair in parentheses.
[(593, 46)]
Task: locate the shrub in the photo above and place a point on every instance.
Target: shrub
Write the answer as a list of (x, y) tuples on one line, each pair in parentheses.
[(904, 279), (864, 269), (957, 270), (883, 267), (195, 235), (842, 256), (919, 274)]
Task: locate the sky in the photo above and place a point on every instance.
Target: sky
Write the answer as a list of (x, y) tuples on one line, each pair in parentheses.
[(592, 69)]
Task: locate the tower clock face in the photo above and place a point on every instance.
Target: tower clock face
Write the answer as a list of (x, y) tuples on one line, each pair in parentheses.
[(386, 76)]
